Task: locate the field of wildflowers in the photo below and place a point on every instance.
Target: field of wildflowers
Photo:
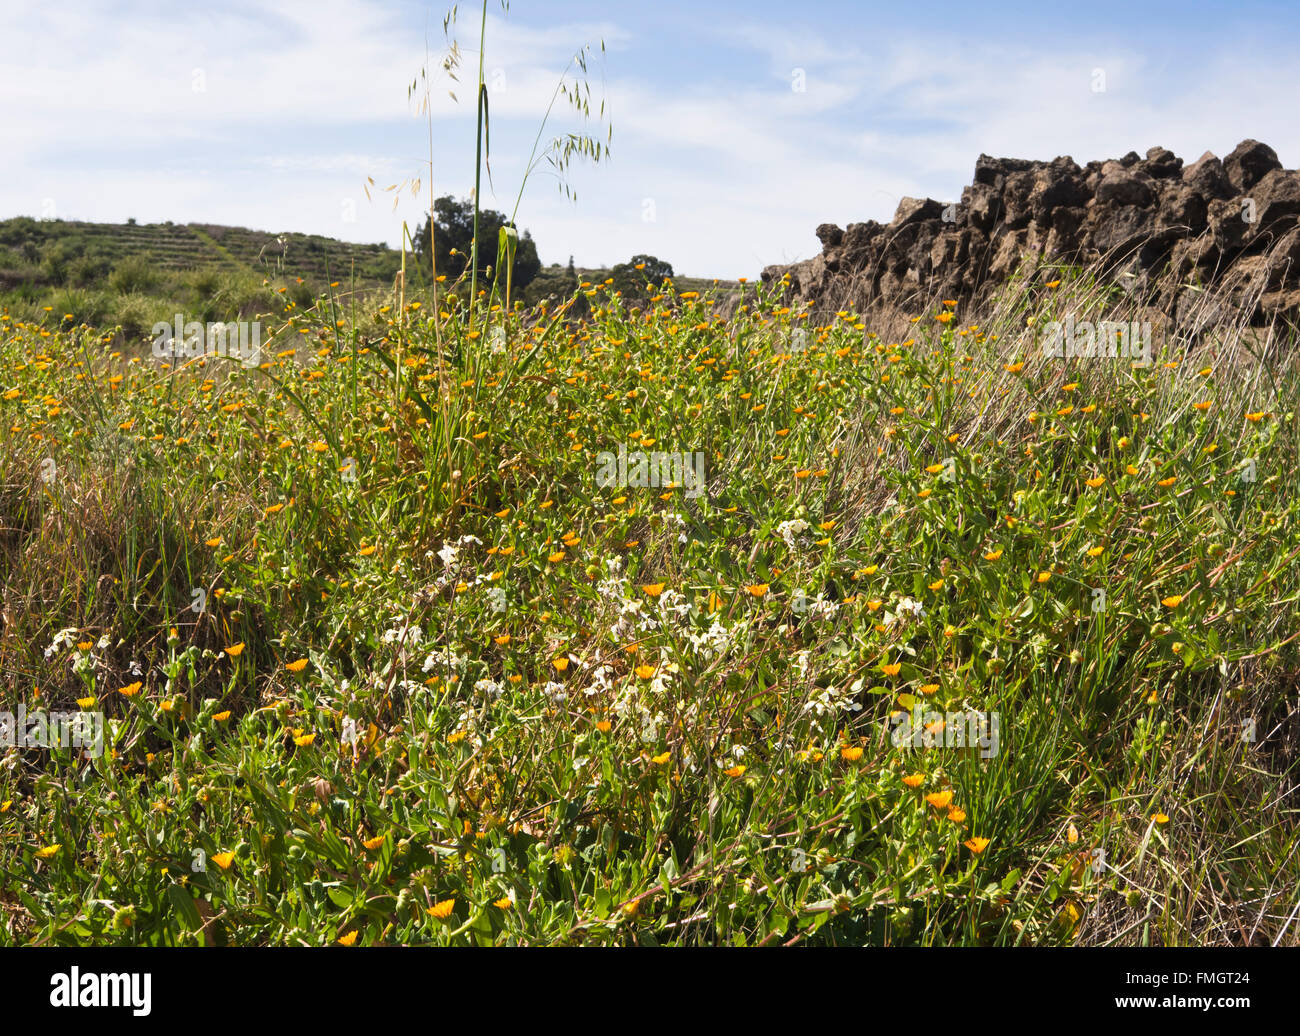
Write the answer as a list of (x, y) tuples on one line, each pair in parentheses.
[(926, 638)]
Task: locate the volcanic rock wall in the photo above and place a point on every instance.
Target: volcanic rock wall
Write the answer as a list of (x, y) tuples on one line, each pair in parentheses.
[(1214, 240)]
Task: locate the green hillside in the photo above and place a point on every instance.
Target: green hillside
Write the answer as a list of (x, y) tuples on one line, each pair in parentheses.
[(56, 252)]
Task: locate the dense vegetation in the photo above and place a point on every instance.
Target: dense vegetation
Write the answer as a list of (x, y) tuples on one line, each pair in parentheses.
[(385, 659), (133, 276)]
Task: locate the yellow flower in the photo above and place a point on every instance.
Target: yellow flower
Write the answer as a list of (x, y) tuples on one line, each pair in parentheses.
[(297, 666), (956, 814), (661, 759), (503, 903), (49, 850), (1173, 601), (939, 799), (442, 910), (645, 671), (736, 771), (937, 584), (556, 558), (561, 664), (1043, 577), (374, 843), (976, 845), (1094, 552), (1094, 483), (758, 589), (365, 552), (223, 860), (891, 668), (303, 740), (993, 555), (929, 688), (603, 725), (348, 940), (1160, 818), (914, 780), (130, 690), (851, 755), (653, 589), (235, 650), (221, 717)]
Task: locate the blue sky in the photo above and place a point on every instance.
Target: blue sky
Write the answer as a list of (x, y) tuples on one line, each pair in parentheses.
[(274, 117)]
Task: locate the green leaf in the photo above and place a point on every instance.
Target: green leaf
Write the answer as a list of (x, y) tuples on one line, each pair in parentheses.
[(183, 902)]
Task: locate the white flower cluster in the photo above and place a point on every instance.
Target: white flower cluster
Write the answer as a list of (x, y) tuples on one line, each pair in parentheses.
[(614, 586), (400, 632), (601, 681), (680, 522), (820, 608), (712, 643), (632, 619), (444, 660), (905, 612), (449, 555), (66, 638), (674, 604), (791, 530), (831, 701)]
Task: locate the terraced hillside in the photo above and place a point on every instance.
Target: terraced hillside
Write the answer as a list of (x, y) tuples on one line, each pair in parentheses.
[(27, 245)]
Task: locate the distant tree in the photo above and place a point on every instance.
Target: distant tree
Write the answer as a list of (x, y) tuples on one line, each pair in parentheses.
[(633, 276), (453, 241)]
